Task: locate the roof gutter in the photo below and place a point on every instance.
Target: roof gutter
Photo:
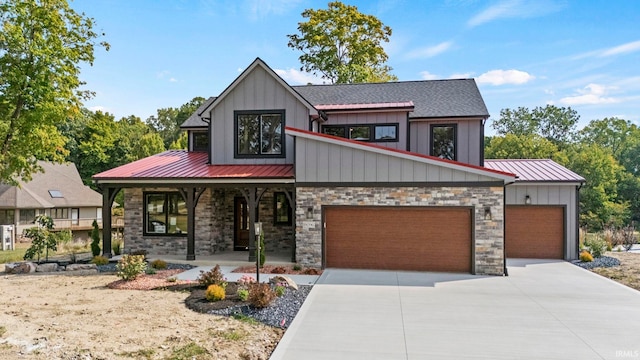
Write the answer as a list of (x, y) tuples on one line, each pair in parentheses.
[(504, 227)]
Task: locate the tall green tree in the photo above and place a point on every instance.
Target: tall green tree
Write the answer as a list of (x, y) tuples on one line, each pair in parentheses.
[(556, 124), (42, 45), (511, 146), (167, 121), (342, 45)]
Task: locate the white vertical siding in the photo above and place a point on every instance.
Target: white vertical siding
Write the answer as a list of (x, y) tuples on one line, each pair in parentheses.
[(257, 91)]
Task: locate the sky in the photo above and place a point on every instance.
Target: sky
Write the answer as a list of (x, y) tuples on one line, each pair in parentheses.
[(583, 54)]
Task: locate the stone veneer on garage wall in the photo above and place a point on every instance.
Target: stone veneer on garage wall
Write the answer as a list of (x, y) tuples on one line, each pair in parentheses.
[(214, 229), (489, 241)]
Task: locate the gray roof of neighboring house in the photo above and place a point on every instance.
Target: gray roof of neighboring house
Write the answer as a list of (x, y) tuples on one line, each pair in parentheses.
[(195, 121), (431, 98), (35, 193), (535, 170)]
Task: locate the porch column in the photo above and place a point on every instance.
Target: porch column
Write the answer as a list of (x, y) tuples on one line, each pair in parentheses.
[(291, 196), (191, 197), (252, 196), (108, 196)]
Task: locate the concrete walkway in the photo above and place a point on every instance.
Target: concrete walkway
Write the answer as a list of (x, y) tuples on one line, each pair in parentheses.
[(543, 310)]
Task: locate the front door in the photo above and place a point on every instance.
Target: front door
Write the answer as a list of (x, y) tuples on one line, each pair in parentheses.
[(241, 227)]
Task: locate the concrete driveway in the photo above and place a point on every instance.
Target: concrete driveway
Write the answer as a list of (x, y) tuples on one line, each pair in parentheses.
[(543, 310)]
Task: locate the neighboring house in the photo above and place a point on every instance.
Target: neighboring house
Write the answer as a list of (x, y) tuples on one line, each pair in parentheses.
[(380, 176), (58, 192)]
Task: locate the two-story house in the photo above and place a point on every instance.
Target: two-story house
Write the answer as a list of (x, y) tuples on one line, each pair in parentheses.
[(380, 176)]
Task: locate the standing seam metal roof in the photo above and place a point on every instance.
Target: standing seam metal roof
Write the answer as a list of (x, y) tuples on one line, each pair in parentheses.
[(535, 170)]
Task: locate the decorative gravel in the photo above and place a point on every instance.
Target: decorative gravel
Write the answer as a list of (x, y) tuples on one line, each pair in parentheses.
[(279, 314), (603, 261), (111, 267)]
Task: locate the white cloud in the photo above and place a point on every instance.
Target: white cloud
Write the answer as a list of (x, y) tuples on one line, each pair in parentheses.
[(259, 9), (430, 51), (162, 74), (502, 77), (590, 95), (622, 49), (514, 9), (460, 75), (173, 79), (425, 75), (295, 77)]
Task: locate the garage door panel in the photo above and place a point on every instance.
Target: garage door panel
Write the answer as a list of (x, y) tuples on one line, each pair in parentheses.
[(535, 232), (428, 239)]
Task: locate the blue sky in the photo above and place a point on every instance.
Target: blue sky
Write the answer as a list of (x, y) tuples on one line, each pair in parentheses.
[(582, 54)]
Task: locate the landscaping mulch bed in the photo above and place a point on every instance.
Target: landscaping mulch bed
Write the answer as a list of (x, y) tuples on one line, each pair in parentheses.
[(278, 269)]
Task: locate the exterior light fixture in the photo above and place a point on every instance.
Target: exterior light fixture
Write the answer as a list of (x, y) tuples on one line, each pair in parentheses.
[(487, 213), (309, 213), (258, 230), (527, 200)]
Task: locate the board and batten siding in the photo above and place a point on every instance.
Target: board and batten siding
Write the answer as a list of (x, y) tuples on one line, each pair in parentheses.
[(257, 91), (366, 118), (320, 162), (551, 195), (469, 134)]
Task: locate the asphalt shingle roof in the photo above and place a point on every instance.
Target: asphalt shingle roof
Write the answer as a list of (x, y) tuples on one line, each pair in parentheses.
[(194, 120)]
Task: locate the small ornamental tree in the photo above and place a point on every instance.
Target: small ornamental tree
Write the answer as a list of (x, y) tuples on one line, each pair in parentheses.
[(95, 239), (42, 238)]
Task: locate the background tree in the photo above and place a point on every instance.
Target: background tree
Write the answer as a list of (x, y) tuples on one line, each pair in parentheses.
[(342, 45), (42, 44), (511, 146), (167, 121), (556, 124)]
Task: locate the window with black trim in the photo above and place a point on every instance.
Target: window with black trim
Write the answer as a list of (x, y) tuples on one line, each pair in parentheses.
[(200, 141), (282, 211), (259, 134), (7, 217), (165, 214), (365, 132), (444, 141)]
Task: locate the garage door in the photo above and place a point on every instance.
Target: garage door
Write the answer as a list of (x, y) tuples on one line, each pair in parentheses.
[(535, 232), (398, 238)]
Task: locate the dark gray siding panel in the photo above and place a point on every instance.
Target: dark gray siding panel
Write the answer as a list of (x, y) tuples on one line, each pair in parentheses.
[(319, 162), (393, 117), (553, 194), (469, 130), (258, 91)]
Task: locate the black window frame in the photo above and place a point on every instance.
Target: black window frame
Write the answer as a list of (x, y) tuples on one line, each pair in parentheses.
[(286, 203), (194, 143), (372, 131), (166, 194), (238, 155), (455, 140)]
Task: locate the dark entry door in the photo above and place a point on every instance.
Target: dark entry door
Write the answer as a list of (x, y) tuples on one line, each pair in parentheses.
[(241, 227)]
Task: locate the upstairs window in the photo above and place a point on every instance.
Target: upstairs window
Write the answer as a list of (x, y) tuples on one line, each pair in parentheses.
[(200, 141), (444, 141), (366, 132), (259, 134)]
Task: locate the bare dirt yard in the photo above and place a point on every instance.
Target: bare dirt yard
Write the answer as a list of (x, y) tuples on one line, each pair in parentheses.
[(79, 317), (628, 273)]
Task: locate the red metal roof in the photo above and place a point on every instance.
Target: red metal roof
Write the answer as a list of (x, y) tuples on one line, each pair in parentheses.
[(535, 170), (364, 106), (181, 164)]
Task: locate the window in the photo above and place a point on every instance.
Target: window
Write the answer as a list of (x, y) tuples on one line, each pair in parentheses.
[(200, 141), (57, 213), (259, 134), (165, 214), (443, 141), (381, 132), (282, 209), (27, 216), (7, 217), (55, 193)]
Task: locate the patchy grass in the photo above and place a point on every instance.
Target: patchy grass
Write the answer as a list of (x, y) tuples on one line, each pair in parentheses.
[(230, 334), (140, 354), (191, 351), (3, 330), (16, 255), (628, 273)]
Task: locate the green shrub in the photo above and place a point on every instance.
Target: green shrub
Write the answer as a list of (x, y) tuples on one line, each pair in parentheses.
[(279, 290), (130, 266), (261, 295), (159, 264), (263, 256), (95, 239), (116, 246), (243, 294), (150, 271), (100, 260), (297, 267), (215, 293), (585, 256), (596, 245), (212, 277), (42, 238)]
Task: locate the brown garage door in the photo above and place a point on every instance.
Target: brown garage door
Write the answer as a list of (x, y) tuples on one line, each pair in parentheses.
[(535, 232), (398, 238)]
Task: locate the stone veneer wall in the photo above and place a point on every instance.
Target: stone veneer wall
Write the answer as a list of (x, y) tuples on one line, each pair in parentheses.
[(489, 235), (214, 224)]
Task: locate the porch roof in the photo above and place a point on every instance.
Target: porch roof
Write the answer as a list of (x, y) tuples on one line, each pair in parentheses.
[(192, 167)]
